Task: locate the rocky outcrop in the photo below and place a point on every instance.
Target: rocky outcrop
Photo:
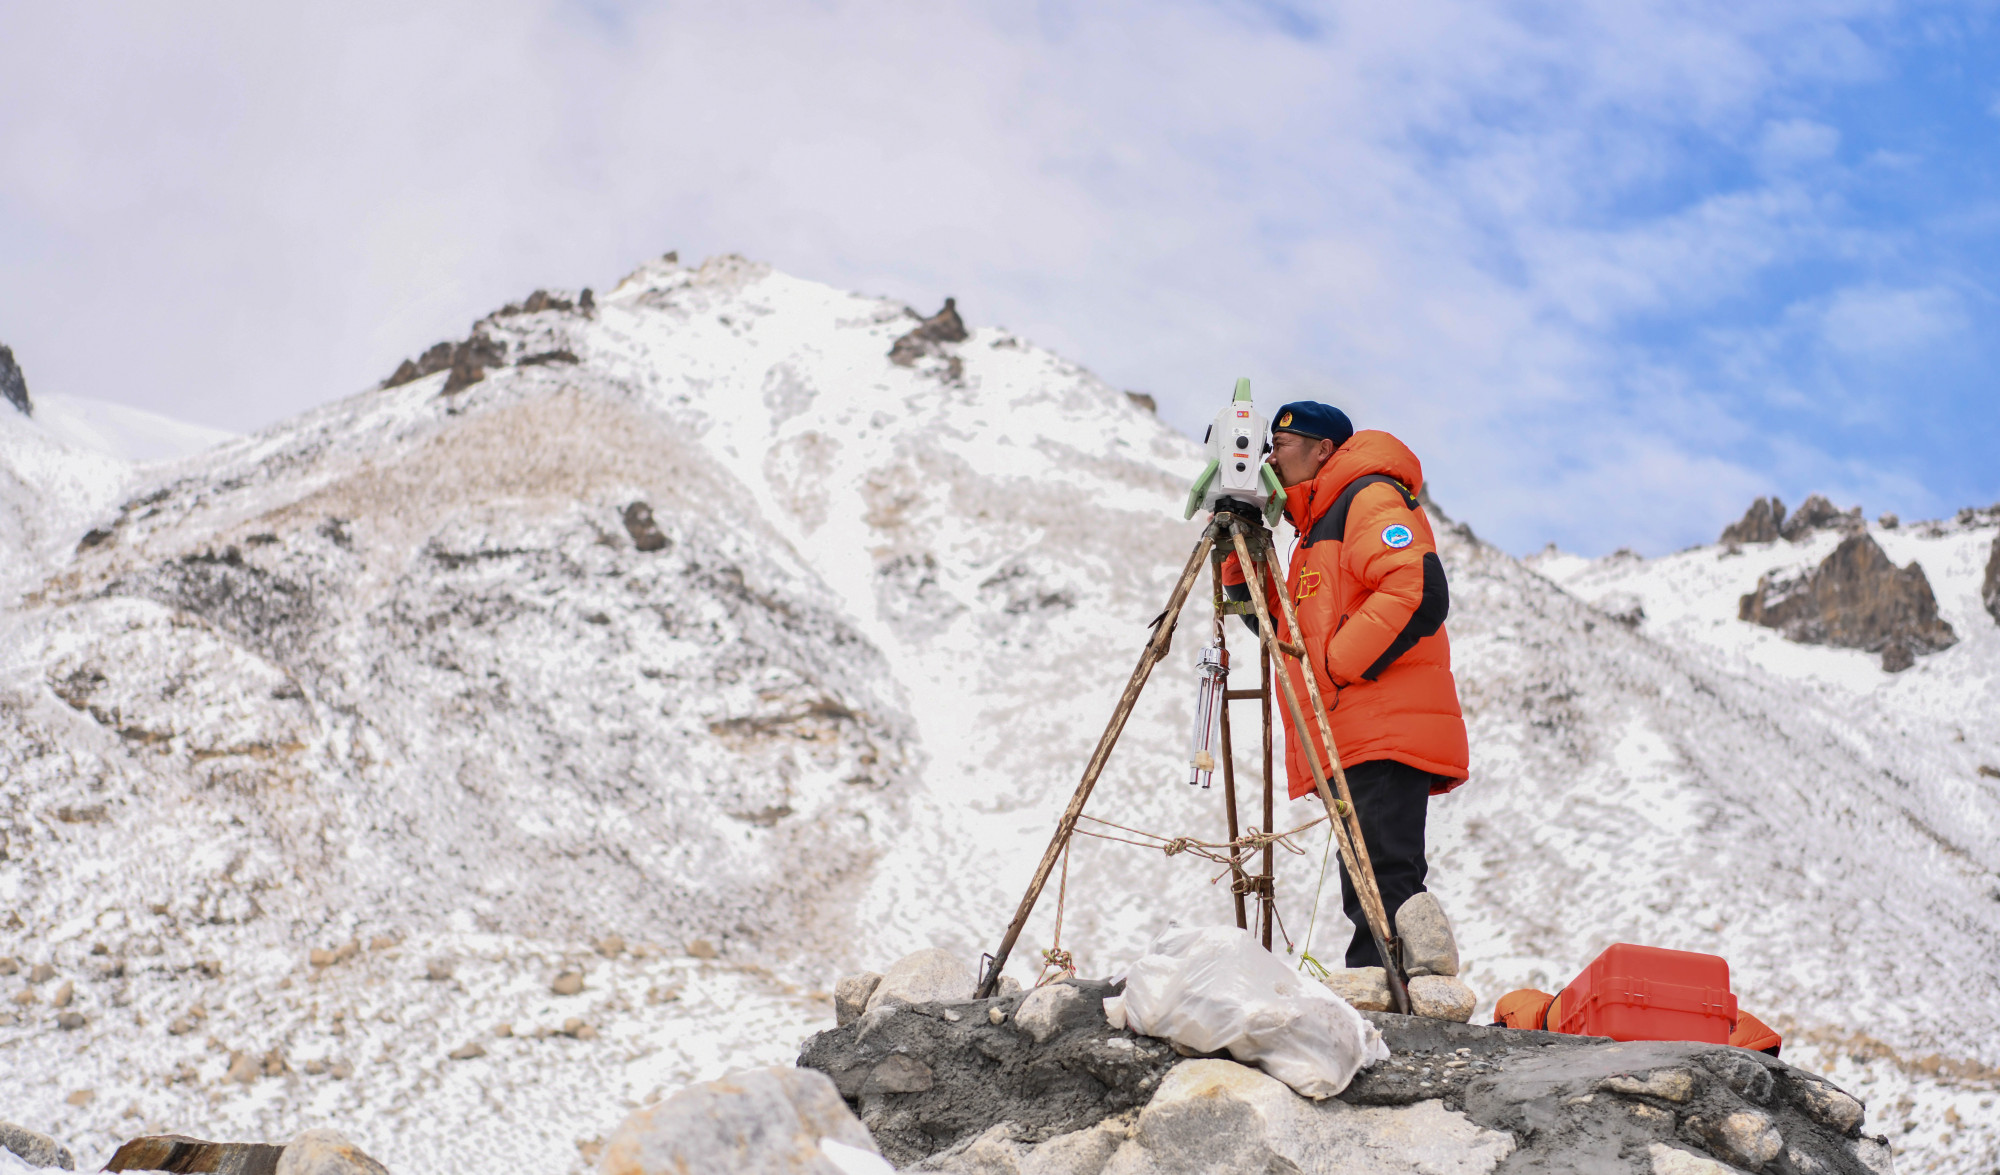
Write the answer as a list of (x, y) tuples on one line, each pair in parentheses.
[(928, 338), (491, 345), (1989, 592), (177, 1152), (1093, 1100), (770, 1121), (1857, 599), (1816, 513), (467, 362), (14, 385), (923, 977), (1759, 524), (33, 1147)]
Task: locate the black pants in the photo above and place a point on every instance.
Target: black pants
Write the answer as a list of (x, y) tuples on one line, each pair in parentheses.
[(1393, 799)]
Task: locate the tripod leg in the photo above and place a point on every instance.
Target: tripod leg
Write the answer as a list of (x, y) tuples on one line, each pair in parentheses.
[(1267, 895), (1350, 849), (1156, 649), (1228, 762)]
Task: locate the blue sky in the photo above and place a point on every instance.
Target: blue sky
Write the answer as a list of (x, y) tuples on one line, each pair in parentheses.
[(1613, 269)]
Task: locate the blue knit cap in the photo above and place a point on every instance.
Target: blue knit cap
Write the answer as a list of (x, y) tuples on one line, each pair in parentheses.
[(1319, 422)]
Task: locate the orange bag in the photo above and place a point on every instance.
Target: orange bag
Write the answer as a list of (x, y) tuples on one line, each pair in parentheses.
[(1752, 1033)]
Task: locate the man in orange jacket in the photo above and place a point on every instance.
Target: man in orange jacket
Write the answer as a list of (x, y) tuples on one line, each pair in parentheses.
[(1371, 599)]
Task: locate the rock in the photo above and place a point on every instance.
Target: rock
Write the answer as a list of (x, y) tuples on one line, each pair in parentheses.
[(1856, 598), (64, 995), (70, 1021), (1216, 1115), (41, 973), (645, 534), (439, 970), (701, 948), (383, 942), (1672, 1160), (1429, 946), (611, 945), (767, 1121), (567, 983), (1746, 1138), (81, 1097), (34, 1148), (1989, 592), (243, 1068), (7, 965), (1441, 997), (850, 995), (319, 957), (467, 1052), (1828, 1106), (897, 1073), (1759, 524), (1874, 1154), (1816, 513), (467, 362), (1047, 1010), (325, 1152), (926, 976), (1888, 520), (1672, 1085), (178, 1152), (14, 385), (943, 327), (1366, 988), (996, 1016)]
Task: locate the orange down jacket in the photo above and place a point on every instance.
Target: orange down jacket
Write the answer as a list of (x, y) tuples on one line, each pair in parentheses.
[(1371, 599)]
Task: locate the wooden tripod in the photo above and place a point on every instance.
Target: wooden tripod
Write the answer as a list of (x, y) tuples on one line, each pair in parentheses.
[(1246, 533)]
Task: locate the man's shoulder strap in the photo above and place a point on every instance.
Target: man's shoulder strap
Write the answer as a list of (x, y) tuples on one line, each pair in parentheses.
[(1333, 523)]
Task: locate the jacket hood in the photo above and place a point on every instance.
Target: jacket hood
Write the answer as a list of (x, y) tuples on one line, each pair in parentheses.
[(1364, 453)]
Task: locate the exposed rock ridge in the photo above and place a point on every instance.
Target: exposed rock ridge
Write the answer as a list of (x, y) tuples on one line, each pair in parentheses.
[(928, 339), (1857, 599), (14, 385), (488, 346), (1766, 521)]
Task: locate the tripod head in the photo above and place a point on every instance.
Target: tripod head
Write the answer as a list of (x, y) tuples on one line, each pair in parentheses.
[(1238, 441)]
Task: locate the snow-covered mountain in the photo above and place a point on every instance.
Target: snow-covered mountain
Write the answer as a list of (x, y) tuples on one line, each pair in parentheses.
[(692, 642)]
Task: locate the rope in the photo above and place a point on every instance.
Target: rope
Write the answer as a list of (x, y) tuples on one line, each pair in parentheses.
[(1057, 962), (1305, 953), (1230, 853)]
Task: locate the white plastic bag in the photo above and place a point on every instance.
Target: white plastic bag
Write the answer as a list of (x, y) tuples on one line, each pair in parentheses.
[(1213, 988)]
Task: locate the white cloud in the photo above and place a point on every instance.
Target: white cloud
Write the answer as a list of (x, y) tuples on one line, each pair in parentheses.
[(1875, 322), (235, 214)]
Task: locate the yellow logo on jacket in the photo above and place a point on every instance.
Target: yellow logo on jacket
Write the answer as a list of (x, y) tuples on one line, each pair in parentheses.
[(1308, 584)]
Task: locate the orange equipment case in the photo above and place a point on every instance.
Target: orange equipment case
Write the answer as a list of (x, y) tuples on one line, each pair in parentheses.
[(1650, 993)]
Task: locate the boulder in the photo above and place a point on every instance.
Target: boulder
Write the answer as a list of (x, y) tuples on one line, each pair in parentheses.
[(1441, 997), (1759, 524), (1856, 598), (1989, 592), (14, 385), (769, 1121), (32, 1147), (925, 977), (850, 995), (325, 1152), (1429, 947), (1366, 988), (1046, 1011)]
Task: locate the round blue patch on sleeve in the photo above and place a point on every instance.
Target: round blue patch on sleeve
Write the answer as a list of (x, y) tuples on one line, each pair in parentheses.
[(1397, 536)]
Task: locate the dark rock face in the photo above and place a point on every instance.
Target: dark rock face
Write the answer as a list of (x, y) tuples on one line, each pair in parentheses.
[(177, 1152), (645, 532), (467, 362), (923, 1081), (926, 1076), (1816, 513), (1989, 593), (1855, 599), (14, 385), (1759, 524), (943, 327)]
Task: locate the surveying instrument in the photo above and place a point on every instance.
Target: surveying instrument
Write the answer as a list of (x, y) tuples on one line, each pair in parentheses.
[(1244, 498)]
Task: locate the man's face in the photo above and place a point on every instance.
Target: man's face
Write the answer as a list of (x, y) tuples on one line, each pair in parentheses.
[(1298, 459)]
